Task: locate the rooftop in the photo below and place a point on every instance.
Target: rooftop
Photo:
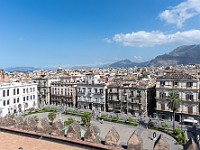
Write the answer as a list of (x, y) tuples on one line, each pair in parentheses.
[(15, 142)]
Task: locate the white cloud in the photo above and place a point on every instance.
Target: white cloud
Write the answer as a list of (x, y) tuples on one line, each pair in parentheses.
[(156, 38), (179, 14), (107, 40)]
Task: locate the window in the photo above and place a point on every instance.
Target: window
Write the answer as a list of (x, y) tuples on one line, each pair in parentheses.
[(4, 103), (162, 83), (14, 100), (33, 89), (190, 109), (23, 90), (138, 93), (26, 90), (162, 106), (4, 93), (33, 96), (14, 92), (189, 97), (162, 95), (24, 99), (17, 100), (95, 90), (8, 92), (8, 102), (175, 83), (189, 84), (101, 91), (17, 91), (83, 90), (125, 98)]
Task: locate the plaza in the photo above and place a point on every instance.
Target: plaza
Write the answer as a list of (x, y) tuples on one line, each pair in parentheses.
[(124, 131)]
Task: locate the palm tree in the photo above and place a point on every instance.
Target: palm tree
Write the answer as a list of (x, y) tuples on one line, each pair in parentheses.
[(173, 104)]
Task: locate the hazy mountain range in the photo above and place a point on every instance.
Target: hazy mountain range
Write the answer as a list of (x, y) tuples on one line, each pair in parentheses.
[(186, 54)]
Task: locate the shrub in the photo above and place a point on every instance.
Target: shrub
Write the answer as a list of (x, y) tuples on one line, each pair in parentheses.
[(115, 118), (177, 131), (68, 122), (68, 111), (103, 116), (75, 111), (130, 119), (164, 126)]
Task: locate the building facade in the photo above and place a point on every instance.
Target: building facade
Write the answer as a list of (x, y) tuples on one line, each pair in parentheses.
[(187, 88), (126, 99), (63, 93), (91, 93), (44, 89), (17, 97)]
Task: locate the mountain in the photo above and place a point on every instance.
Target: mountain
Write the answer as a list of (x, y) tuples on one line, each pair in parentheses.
[(127, 63), (186, 54), (21, 69)]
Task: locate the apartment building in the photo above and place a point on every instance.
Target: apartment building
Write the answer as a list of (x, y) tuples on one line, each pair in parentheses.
[(63, 93), (186, 86), (17, 97), (91, 93), (126, 98), (44, 83)]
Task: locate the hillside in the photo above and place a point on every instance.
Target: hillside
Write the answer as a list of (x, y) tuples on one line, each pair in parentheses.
[(187, 54), (127, 63)]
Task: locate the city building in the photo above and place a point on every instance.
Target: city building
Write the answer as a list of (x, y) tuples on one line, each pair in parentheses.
[(91, 93), (187, 88), (63, 93), (127, 98), (17, 97), (44, 83)]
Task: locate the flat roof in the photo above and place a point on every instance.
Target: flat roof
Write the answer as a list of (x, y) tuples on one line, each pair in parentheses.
[(14, 142)]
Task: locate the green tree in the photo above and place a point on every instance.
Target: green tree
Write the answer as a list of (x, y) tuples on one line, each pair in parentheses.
[(86, 118), (52, 116), (173, 104)]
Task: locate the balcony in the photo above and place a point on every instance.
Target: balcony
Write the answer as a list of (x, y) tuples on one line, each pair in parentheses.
[(81, 92), (113, 92), (98, 93)]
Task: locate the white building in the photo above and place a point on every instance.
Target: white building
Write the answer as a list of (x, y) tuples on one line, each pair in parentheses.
[(91, 93), (17, 97)]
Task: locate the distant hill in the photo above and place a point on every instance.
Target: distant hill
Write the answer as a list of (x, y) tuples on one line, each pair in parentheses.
[(127, 63), (186, 54), (21, 69)]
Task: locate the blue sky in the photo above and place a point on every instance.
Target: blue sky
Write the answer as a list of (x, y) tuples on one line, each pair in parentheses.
[(46, 33)]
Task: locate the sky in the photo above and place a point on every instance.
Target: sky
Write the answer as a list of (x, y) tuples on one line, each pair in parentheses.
[(48, 33)]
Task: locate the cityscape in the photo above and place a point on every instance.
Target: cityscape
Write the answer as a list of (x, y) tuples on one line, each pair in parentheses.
[(108, 75)]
